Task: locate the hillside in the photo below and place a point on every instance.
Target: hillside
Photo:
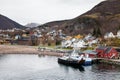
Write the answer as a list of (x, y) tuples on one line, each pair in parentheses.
[(105, 15), (6, 23)]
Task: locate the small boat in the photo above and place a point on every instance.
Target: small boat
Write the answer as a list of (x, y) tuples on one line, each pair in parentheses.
[(88, 61), (88, 55)]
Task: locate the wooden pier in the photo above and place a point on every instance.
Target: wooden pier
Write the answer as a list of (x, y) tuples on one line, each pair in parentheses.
[(107, 61), (111, 61), (96, 60)]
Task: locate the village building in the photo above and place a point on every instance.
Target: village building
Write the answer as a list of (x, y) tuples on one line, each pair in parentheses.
[(118, 34), (106, 52), (89, 37), (109, 35)]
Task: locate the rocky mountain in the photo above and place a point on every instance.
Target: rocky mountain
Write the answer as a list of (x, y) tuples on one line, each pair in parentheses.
[(105, 16), (6, 23), (32, 25)]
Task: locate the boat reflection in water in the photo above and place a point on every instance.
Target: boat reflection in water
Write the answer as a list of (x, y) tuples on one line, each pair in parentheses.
[(66, 67)]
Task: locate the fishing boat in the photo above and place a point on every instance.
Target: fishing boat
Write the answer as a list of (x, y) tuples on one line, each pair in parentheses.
[(75, 59), (72, 59)]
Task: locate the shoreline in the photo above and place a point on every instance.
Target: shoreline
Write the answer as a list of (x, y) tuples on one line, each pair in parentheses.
[(21, 49), (110, 61), (17, 49), (51, 53)]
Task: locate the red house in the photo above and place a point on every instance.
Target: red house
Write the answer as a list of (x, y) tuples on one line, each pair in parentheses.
[(106, 52)]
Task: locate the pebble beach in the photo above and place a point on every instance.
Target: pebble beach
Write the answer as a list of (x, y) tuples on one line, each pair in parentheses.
[(20, 49), (17, 49)]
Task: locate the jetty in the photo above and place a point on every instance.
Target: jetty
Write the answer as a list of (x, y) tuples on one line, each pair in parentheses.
[(107, 61), (111, 61), (96, 60)]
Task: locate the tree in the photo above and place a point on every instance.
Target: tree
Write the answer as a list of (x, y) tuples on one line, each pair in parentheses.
[(97, 32), (34, 40), (94, 32), (118, 27)]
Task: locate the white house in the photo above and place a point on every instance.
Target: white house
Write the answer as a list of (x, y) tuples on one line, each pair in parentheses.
[(17, 37), (87, 37), (109, 35), (79, 44), (90, 43), (66, 43), (118, 34), (73, 40)]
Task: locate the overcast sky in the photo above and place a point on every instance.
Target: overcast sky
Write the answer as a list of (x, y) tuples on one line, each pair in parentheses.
[(42, 11)]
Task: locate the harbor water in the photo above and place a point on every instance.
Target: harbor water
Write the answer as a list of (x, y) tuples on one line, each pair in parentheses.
[(34, 67)]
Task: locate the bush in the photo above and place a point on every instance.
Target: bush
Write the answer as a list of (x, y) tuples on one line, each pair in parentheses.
[(58, 42)]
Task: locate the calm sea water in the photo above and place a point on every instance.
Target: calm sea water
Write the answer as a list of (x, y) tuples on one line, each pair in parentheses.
[(32, 67)]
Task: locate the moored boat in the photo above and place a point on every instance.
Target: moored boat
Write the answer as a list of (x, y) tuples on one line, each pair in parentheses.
[(71, 61), (75, 59)]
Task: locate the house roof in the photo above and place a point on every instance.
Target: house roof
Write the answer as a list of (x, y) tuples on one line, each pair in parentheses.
[(68, 38), (102, 47), (78, 36), (90, 52), (106, 49)]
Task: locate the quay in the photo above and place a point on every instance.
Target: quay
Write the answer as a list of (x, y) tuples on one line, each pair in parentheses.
[(107, 61), (96, 60), (111, 61)]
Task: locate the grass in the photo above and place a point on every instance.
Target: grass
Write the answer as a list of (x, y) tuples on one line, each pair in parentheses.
[(47, 46), (95, 15), (115, 42)]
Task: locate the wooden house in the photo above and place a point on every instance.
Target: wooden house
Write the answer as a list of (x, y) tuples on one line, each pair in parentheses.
[(23, 41), (106, 52)]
